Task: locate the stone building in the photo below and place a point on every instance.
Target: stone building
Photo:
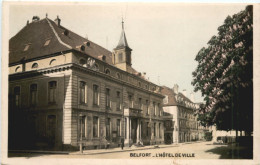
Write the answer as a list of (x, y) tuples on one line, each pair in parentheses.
[(65, 90), (181, 123)]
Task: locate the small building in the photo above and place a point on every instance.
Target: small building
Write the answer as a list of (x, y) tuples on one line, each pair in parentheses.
[(181, 123), (65, 90)]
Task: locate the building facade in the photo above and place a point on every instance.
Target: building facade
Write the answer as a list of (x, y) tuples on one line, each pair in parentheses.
[(181, 123), (65, 90)]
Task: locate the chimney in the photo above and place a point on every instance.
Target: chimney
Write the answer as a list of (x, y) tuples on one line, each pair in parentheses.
[(57, 21), (192, 98), (35, 18), (184, 92), (176, 88)]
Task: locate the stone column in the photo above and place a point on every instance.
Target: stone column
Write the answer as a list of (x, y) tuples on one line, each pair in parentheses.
[(138, 131), (127, 141)]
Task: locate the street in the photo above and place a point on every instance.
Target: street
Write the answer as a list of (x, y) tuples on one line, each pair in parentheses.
[(198, 150)]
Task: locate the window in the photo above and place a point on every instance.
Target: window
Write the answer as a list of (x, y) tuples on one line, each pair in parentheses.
[(118, 75), (154, 108), (158, 109), (95, 95), (18, 69), (108, 128), (140, 103), (154, 129), (147, 107), (53, 62), (96, 67), (118, 127), (52, 91), (147, 129), (33, 94), (139, 84), (165, 100), (95, 126), (83, 92), (160, 135), (17, 96), (26, 47), (118, 101), (47, 42), (130, 101), (120, 57), (107, 71), (108, 102), (82, 127), (34, 65)]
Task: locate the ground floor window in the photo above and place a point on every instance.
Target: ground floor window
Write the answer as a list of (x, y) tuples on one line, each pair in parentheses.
[(108, 128), (95, 126), (118, 127), (82, 127)]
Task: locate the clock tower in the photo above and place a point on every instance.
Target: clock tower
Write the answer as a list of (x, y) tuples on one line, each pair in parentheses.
[(122, 53)]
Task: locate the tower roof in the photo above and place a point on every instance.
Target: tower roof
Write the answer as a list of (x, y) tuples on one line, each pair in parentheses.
[(122, 41)]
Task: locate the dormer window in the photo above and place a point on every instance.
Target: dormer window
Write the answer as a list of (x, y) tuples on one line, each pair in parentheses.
[(18, 69), (26, 47), (47, 42), (53, 62), (34, 65)]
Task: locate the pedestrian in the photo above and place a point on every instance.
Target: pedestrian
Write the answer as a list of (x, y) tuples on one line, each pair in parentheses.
[(122, 143)]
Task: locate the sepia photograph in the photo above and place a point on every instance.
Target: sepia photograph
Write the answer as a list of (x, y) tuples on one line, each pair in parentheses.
[(130, 83)]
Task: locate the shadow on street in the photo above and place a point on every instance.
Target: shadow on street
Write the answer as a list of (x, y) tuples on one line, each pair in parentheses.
[(232, 152)]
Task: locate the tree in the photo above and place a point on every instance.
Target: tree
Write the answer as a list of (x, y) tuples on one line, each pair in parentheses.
[(224, 75)]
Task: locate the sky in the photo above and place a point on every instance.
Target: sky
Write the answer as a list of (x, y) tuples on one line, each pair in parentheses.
[(165, 37)]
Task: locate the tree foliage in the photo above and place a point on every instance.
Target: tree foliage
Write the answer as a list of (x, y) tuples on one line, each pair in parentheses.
[(224, 74)]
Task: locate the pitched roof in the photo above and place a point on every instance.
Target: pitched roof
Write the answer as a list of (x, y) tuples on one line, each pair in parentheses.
[(34, 37), (172, 96)]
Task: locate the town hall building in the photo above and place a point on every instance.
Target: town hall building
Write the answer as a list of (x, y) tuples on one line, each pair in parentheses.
[(65, 90)]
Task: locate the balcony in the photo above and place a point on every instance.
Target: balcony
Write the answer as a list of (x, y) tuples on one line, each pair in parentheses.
[(133, 112)]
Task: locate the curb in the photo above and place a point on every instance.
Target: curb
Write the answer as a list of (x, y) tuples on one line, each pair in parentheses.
[(95, 153)]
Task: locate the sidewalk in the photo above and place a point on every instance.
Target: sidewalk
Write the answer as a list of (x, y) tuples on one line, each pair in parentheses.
[(126, 149), (132, 148)]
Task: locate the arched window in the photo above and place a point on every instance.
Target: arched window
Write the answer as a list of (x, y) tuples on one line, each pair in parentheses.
[(96, 67), (18, 69), (53, 62), (118, 75), (107, 71), (34, 65)]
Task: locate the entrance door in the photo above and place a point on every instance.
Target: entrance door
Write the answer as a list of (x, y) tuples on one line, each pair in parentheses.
[(51, 129), (134, 129)]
